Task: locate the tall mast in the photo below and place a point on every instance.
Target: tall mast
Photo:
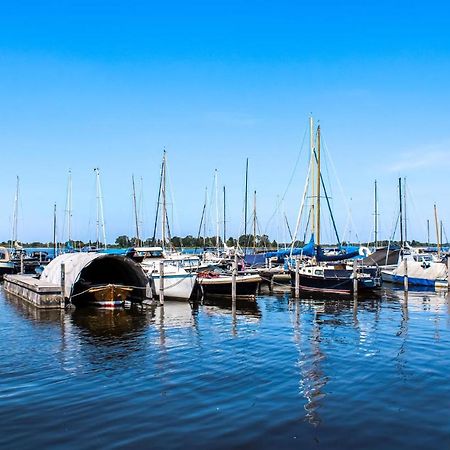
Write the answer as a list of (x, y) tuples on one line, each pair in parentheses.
[(54, 232), (100, 212), (246, 203), (15, 213), (376, 216), (404, 209), (138, 240), (254, 221), (313, 166), (204, 222), (401, 211), (164, 205), (318, 187), (216, 187), (69, 207), (224, 217), (436, 222), (428, 231)]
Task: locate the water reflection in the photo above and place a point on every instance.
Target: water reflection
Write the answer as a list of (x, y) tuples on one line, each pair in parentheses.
[(311, 318), (30, 312), (112, 323)]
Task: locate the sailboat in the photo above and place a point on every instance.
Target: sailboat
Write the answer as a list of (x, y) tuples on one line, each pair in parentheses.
[(218, 282), (420, 268), (319, 271), (178, 283)]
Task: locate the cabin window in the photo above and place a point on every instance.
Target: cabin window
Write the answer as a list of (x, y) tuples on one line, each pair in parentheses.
[(318, 272)]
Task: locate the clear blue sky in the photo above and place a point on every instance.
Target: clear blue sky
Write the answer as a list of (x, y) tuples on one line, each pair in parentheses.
[(111, 83)]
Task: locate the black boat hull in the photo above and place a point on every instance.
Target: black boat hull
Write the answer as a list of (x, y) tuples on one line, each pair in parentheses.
[(331, 285)]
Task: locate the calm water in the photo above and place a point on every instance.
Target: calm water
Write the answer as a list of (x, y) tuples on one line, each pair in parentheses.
[(306, 374)]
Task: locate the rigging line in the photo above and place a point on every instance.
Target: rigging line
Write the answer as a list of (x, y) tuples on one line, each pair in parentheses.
[(328, 202), (340, 187), (300, 212), (411, 200), (290, 179), (158, 202)]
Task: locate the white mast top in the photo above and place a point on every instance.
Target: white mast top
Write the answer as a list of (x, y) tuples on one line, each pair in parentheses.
[(100, 212)]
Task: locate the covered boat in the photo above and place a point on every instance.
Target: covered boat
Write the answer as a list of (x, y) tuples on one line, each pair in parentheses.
[(97, 279)]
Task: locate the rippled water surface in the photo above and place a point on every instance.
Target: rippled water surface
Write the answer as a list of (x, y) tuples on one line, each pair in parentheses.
[(285, 373)]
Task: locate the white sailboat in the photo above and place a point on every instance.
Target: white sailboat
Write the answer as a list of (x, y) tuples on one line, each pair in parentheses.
[(178, 283)]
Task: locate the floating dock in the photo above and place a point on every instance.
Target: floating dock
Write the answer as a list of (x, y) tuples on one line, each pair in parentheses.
[(39, 293)]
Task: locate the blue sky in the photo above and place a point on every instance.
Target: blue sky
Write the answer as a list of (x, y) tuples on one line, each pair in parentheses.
[(110, 84)]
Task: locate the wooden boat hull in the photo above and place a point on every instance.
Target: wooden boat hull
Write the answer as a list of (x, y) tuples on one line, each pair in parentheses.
[(110, 296)]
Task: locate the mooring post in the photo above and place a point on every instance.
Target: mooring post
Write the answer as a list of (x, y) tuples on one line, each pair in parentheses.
[(271, 284), (233, 279), (161, 282), (63, 284), (448, 271), (355, 278), (297, 279), (21, 263), (405, 278)]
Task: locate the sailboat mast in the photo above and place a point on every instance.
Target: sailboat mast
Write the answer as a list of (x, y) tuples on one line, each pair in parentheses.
[(138, 240), (376, 216), (224, 217), (313, 166), (54, 232), (401, 211), (428, 231), (100, 212), (216, 187), (69, 207), (404, 209), (163, 195), (246, 204), (15, 213), (318, 187), (254, 221), (437, 230)]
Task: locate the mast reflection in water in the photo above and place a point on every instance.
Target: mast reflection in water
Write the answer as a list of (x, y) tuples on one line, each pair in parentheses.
[(276, 372)]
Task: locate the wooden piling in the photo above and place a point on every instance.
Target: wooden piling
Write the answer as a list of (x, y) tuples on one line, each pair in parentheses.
[(22, 271), (63, 283), (355, 278), (405, 278), (161, 282), (297, 279), (448, 271), (233, 279)]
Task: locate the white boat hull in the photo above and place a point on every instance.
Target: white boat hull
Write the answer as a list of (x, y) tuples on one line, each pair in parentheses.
[(176, 286)]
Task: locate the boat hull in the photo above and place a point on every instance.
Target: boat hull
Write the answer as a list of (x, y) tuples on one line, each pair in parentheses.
[(390, 277), (246, 285), (176, 286), (332, 285)]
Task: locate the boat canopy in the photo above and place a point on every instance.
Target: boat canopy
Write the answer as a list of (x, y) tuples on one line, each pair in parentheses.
[(95, 269)]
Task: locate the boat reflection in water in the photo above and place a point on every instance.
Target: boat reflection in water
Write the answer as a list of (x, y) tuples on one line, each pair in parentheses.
[(314, 323)]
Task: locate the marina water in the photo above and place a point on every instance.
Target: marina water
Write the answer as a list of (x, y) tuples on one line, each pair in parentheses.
[(281, 372)]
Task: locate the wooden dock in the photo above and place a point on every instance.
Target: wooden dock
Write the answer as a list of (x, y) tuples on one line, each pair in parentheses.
[(35, 291)]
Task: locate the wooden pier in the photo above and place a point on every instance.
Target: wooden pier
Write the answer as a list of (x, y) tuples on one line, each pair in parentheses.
[(38, 292)]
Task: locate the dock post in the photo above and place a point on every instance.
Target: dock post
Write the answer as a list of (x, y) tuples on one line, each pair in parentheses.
[(161, 282), (63, 284), (271, 284), (297, 279), (233, 279), (21, 263), (448, 271), (355, 278), (405, 278)]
